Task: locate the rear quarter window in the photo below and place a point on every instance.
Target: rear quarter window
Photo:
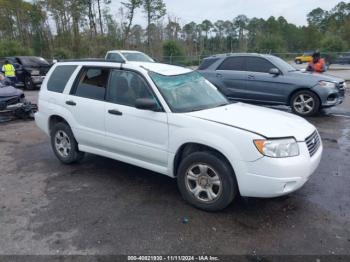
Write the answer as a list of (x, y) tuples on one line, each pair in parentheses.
[(60, 77), (207, 62)]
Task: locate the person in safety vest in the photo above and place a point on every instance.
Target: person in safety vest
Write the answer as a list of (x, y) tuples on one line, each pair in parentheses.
[(9, 71), (317, 64)]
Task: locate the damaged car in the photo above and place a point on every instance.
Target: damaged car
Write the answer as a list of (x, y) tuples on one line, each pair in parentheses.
[(13, 103)]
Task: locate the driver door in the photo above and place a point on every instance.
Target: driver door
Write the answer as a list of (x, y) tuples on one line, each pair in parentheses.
[(263, 87)]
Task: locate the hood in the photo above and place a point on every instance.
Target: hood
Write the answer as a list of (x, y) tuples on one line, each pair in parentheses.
[(10, 91), (267, 122), (316, 76)]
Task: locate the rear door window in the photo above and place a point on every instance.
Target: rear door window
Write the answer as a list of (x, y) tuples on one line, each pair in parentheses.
[(60, 77), (257, 64), (92, 83), (233, 64)]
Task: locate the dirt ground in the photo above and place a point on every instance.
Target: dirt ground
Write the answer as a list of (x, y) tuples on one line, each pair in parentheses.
[(102, 206)]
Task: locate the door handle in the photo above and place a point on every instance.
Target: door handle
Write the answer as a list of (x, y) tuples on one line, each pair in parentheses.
[(251, 77), (218, 75), (115, 112), (71, 103)]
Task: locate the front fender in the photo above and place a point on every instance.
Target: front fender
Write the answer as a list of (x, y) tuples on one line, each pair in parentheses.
[(235, 144)]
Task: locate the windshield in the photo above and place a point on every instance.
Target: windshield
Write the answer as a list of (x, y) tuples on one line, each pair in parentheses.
[(137, 57), (282, 65), (33, 61), (188, 92)]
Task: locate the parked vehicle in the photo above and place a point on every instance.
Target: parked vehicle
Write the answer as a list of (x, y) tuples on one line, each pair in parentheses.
[(267, 79), (30, 70), (13, 103), (10, 96), (123, 56), (342, 59), (173, 121), (304, 58)]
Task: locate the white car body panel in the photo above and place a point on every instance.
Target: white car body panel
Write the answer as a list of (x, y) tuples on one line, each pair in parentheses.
[(152, 139), (265, 121)]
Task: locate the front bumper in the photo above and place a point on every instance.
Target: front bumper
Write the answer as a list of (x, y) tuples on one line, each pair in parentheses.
[(272, 177), (331, 96), (37, 80)]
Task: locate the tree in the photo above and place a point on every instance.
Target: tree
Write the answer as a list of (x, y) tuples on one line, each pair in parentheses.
[(317, 18), (131, 6), (172, 29), (333, 44), (154, 9), (206, 27), (172, 51), (241, 22)]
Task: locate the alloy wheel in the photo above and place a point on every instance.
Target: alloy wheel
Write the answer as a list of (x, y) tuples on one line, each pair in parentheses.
[(62, 143), (203, 182), (304, 104)]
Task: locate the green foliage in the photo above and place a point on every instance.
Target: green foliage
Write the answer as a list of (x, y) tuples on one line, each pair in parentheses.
[(71, 29), (62, 53), (13, 48), (333, 44), (172, 48), (270, 44)]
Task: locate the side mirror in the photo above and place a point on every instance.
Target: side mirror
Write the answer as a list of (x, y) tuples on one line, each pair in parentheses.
[(147, 104), (274, 71)]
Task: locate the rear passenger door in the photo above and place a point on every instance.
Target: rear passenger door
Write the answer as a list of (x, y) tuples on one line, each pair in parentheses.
[(137, 136), (86, 103), (231, 77)]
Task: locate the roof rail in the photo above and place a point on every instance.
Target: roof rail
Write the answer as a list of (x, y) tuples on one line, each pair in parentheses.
[(89, 60)]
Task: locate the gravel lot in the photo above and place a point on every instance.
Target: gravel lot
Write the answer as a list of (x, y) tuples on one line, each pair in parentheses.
[(102, 206)]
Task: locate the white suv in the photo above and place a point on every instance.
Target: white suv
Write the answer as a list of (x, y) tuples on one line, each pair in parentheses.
[(127, 56), (173, 121)]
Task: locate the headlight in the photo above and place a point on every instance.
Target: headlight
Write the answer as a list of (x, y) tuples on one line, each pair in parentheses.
[(327, 84), (35, 72), (278, 148)]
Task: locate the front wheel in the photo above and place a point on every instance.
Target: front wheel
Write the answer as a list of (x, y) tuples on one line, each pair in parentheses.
[(305, 103), (298, 62), (207, 181)]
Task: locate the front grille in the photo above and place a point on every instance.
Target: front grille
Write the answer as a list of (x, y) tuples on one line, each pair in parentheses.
[(341, 88), (313, 143), (13, 101)]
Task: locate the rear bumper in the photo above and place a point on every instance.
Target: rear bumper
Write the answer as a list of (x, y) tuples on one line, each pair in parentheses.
[(42, 122), (271, 177)]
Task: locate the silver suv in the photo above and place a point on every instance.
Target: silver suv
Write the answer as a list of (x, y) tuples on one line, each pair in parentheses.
[(267, 79)]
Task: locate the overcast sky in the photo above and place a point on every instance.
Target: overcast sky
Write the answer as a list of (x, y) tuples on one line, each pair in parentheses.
[(294, 11)]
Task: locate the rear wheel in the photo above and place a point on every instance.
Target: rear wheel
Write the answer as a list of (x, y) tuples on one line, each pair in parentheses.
[(298, 61), (206, 181), (28, 83), (305, 103), (64, 144)]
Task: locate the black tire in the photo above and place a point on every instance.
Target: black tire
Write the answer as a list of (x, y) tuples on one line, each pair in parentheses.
[(28, 83), (221, 168), (298, 62), (73, 155), (315, 105)]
